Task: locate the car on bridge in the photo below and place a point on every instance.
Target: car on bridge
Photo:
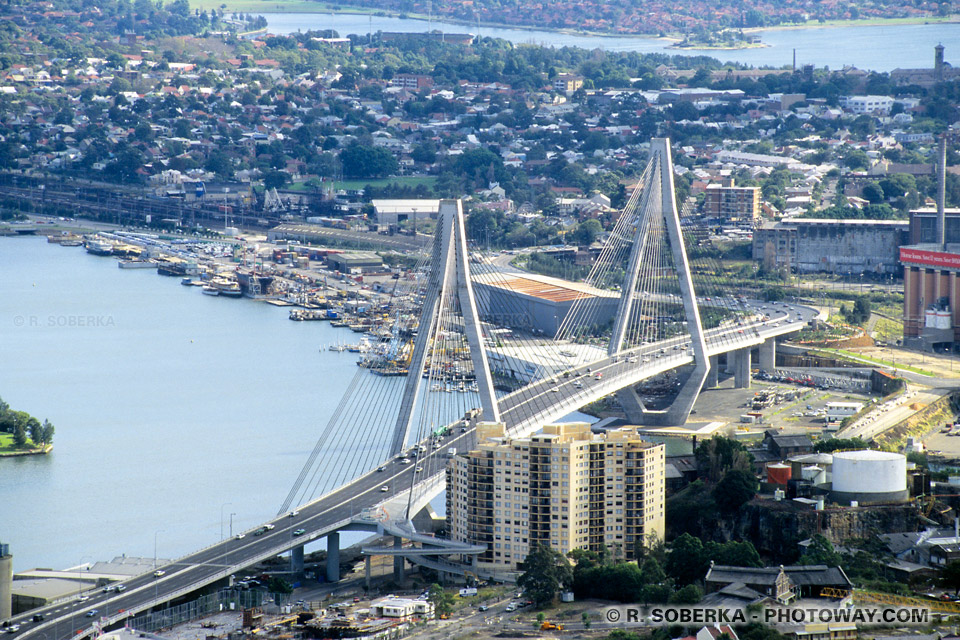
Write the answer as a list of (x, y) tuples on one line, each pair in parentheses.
[(299, 532), (384, 489), (92, 613), (159, 573)]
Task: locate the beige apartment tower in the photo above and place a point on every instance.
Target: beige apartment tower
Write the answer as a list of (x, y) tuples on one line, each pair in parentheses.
[(565, 488)]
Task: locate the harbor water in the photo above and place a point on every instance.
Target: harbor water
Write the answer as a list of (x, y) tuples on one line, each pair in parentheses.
[(874, 48), (171, 407)]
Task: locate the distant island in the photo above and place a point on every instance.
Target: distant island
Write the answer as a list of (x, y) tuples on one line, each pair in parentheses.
[(21, 434)]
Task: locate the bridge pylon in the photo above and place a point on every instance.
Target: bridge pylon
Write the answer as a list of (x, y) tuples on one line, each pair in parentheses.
[(656, 209), (449, 291)]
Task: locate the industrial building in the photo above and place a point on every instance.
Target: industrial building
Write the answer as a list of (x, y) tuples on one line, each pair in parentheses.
[(931, 292), (536, 303), (354, 261), (783, 584), (730, 203), (401, 608), (812, 245), (565, 487), (395, 211), (942, 71)]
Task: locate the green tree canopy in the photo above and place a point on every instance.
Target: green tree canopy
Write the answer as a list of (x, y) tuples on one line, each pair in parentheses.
[(367, 161), (545, 572)]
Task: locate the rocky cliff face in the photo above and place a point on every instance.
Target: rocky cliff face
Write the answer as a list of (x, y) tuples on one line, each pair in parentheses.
[(775, 528)]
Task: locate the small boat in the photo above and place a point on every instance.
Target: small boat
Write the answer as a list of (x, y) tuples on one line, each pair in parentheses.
[(337, 347), (210, 290), (136, 263), (187, 282), (227, 287), (99, 247)]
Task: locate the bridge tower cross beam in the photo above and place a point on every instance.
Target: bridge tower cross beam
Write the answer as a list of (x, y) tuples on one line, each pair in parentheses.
[(660, 181), (449, 278)]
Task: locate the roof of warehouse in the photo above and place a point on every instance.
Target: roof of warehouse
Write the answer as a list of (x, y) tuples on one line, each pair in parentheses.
[(543, 287), (816, 574), (46, 589)]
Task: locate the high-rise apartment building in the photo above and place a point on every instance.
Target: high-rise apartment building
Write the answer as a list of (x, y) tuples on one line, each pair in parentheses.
[(565, 487), (728, 202)]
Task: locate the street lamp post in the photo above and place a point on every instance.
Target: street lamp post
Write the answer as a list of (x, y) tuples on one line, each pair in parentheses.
[(221, 517), (231, 524), (155, 533)]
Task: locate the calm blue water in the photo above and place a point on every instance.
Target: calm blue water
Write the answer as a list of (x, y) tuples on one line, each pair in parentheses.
[(167, 405), (880, 48)]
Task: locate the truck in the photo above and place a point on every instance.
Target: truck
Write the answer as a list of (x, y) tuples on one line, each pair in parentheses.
[(550, 626)]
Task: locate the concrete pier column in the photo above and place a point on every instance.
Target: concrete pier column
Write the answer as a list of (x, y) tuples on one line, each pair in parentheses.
[(730, 365), (398, 562), (366, 571), (333, 557), (713, 376), (296, 560), (768, 354), (741, 373)]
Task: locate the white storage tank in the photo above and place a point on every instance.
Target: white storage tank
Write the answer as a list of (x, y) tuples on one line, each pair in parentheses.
[(869, 477)]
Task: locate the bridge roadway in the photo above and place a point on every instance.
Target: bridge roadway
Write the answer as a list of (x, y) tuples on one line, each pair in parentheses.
[(523, 411)]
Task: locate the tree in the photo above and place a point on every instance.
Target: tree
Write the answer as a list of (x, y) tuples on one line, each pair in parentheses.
[(873, 193), (773, 294), (820, 551), (585, 619), (950, 576), (19, 434), (441, 600), (690, 594), (47, 432), (587, 232), (545, 571), (836, 444), (684, 562), (736, 488), (36, 432), (279, 585), (275, 179), (367, 161)]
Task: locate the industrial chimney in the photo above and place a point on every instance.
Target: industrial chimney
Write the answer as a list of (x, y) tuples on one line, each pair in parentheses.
[(941, 191)]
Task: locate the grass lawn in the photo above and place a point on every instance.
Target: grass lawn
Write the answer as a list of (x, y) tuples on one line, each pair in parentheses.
[(889, 363), (7, 446)]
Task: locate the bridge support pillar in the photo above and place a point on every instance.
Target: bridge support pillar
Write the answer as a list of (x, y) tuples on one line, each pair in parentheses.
[(333, 557), (768, 355), (398, 562), (741, 373), (731, 363), (296, 560), (713, 376), (366, 571)]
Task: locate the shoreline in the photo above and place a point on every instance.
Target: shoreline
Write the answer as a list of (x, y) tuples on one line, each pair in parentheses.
[(30, 452), (321, 8), (696, 47)]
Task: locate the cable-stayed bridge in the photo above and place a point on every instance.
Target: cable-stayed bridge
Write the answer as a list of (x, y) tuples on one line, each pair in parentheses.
[(381, 458)]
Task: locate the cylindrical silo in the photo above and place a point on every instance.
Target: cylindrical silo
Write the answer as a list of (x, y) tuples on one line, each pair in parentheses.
[(778, 473), (869, 477)]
